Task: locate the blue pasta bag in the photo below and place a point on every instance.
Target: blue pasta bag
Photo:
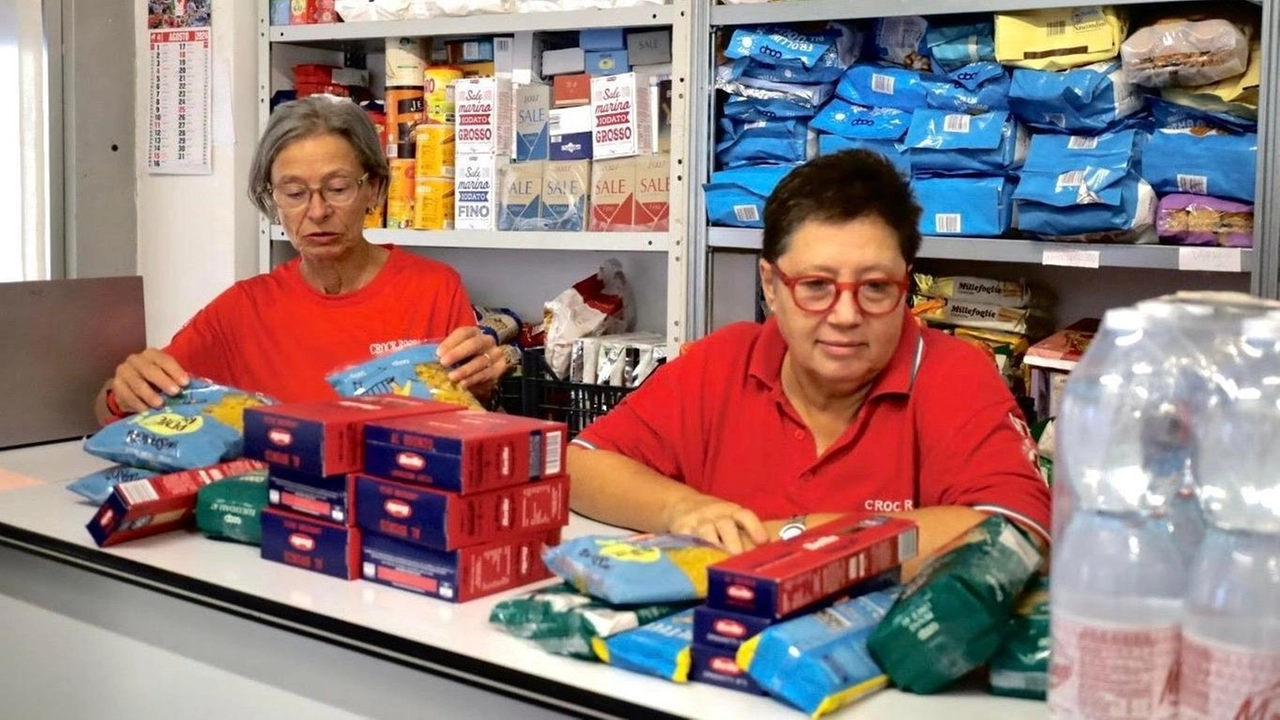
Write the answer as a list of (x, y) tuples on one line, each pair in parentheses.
[(741, 109), (635, 569), (1172, 116), (660, 648), (735, 198), (875, 85), (854, 121), (893, 151), (820, 662), (202, 425), (900, 40), (782, 46), (96, 487), (730, 79), (952, 46), (964, 205), (1087, 99), (413, 371), (1202, 161), (766, 141), (974, 89), (954, 143)]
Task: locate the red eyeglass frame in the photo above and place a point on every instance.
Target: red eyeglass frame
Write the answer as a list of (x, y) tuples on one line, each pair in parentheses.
[(904, 286)]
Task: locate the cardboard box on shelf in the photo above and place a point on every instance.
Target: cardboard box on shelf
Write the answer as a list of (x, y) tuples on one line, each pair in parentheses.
[(565, 194), (520, 204), (475, 192), (649, 47), (569, 130), (571, 90), (602, 39), (621, 116), (653, 193), (533, 113), (607, 62), (565, 61), (613, 195), (469, 51)]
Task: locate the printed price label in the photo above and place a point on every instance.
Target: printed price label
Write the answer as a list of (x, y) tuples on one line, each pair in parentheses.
[(1210, 259), (1071, 258)]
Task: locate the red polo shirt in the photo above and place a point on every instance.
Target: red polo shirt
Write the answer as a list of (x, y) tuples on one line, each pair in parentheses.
[(944, 433)]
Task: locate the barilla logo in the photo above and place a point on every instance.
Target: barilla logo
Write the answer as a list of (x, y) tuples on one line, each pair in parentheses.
[(504, 513), (820, 543), (302, 543), (725, 666), (741, 592), (398, 509), (280, 437), (411, 461), (524, 560), (107, 516), (729, 628), (505, 461)]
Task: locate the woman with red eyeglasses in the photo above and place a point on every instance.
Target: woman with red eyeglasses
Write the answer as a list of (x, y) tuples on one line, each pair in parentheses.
[(839, 402)]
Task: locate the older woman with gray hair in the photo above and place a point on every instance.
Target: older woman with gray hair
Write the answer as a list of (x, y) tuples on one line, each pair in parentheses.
[(318, 169)]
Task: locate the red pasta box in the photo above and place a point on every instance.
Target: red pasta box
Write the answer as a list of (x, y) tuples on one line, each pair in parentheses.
[(311, 544), (324, 438), (461, 575), (785, 577), (330, 497), (465, 451), (159, 504), (446, 521)]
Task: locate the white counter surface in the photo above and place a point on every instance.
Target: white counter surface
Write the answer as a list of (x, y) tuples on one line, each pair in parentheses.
[(445, 639)]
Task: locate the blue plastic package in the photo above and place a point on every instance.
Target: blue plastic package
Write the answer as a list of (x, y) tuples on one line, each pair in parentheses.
[(781, 46), (751, 110), (956, 45), (413, 371), (660, 648), (729, 78), (854, 121), (735, 198), (951, 143), (766, 141), (820, 662), (200, 426), (280, 14), (635, 569), (1173, 116), (894, 152), (1087, 99), (974, 89), (1085, 187), (874, 85), (97, 487), (900, 40), (1200, 162), (967, 206)]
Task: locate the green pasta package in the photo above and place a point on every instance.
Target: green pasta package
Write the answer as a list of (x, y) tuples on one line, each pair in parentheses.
[(638, 569), (562, 621), (1020, 667), (413, 371), (231, 508)]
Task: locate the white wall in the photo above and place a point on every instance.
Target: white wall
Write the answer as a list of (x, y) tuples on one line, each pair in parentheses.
[(198, 234)]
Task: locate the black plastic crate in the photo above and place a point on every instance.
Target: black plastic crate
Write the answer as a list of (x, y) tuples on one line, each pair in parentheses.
[(574, 404)]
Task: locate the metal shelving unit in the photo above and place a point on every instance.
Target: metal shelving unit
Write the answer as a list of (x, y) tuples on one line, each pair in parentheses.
[(809, 10), (481, 240)]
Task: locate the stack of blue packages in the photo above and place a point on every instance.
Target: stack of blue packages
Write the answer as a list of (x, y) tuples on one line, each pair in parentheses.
[(1087, 100)]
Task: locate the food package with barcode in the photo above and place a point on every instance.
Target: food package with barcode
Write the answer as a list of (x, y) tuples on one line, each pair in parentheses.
[(741, 109), (767, 141), (627, 360), (791, 55), (1059, 38), (1009, 293), (975, 89), (735, 198), (956, 143), (900, 40), (1174, 116), (885, 86), (952, 45), (964, 205), (729, 78), (601, 304), (1185, 52), (1237, 96), (1201, 161), (983, 316), (373, 10), (892, 150), (1183, 219), (1077, 187), (1084, 100)]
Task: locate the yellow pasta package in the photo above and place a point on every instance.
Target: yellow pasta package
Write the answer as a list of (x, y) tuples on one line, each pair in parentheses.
[(636, 569), (1059, 38)]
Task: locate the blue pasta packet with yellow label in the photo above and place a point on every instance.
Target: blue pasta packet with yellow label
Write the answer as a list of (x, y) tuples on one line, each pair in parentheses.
[(820, 662), (201, 426), (96, 487), (661, 648), (636, 569), (413, 371)]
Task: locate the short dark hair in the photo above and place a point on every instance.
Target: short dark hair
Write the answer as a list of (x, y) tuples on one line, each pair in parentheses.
[(838, 188)]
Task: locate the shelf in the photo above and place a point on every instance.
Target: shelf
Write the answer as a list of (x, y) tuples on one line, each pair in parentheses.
[(1156, 257), (807, 10), (483, 240), (493, 24)]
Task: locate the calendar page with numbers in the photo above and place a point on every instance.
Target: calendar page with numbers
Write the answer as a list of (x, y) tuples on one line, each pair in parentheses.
[(179, 141)]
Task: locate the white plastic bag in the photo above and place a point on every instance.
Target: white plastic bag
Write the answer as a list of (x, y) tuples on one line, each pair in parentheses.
[(372, 10), (602, 304)]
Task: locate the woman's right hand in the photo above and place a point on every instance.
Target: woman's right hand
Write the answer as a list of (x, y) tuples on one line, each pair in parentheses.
[(726, 524), (141, 378)]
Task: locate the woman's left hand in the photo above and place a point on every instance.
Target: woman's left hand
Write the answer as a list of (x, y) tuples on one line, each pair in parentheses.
[(476, 362)]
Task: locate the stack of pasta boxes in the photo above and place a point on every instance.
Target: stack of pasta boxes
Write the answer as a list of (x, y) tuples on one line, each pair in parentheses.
[(419, 495)]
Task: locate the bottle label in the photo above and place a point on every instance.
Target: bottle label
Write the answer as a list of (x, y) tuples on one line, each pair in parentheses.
[(1102, 671), (1222, 681)]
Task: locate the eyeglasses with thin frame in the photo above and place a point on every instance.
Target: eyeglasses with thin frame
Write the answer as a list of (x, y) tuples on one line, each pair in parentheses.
[(338, 192), (820, 293)]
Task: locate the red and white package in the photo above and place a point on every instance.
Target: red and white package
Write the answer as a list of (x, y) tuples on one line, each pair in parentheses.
[(602, 304)]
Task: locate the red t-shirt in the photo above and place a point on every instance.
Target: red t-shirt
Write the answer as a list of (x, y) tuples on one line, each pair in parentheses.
[(277, 335), (938, 430)]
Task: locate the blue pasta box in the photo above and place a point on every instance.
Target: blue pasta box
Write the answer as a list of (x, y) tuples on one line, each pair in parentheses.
[(607, 62), (964, 206), (330, 497), (310, 544), (719, 666), (725, 630), (458, 576), (602, 39), (447, 521)]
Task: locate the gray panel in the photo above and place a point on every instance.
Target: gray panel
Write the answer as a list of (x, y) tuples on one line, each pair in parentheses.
[(62, 340), (98, 126)]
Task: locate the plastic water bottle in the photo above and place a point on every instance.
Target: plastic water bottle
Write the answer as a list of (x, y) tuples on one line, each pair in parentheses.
[(1118, 578), (1231, 632)]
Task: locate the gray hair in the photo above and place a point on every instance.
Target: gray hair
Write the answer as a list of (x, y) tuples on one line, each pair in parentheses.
[(307, 117)]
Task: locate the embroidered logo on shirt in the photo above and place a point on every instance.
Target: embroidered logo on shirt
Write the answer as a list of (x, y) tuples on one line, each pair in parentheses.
[(382, 348), (883, 506)]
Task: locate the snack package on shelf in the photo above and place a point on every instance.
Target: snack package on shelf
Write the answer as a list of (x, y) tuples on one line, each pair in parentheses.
[(627, 360), (735, 198), (893, 151), (764, 142), (1198, 220), (952, 45), (791, 55), (730, 78), (982, 316), (884, 86), (1059, 38), (1184, 52), (1083, 100), (1189, 113), (946, 143), (975, 89), (900, 40), (1236, 96), (745, 109), (964, 205), (856, 122), (1199, 161)]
